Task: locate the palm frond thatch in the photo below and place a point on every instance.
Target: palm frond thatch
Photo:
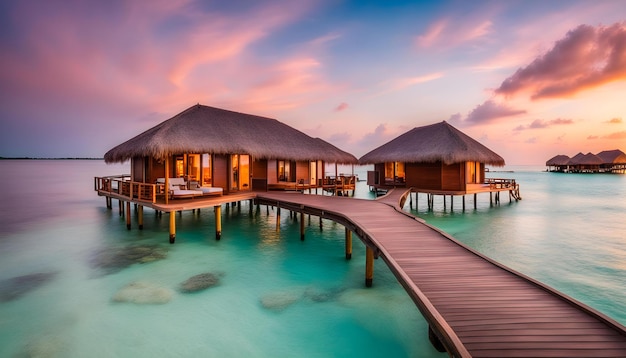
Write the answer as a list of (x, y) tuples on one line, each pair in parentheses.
[(204, 129), (433, 143), (615, 156), (558, 160)]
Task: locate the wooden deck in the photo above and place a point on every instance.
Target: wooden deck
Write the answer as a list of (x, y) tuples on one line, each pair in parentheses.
[(475, 306)]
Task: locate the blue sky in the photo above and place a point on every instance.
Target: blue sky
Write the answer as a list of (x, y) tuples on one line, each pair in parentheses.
[(529, 79)]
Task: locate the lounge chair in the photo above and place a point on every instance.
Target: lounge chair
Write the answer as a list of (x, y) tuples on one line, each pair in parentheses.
[(178, 188), (206, 190)]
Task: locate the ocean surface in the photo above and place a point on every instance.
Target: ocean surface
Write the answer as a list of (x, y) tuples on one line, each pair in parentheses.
[(69, 268)]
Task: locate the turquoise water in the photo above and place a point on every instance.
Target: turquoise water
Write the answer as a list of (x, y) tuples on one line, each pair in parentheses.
[(277, 296)]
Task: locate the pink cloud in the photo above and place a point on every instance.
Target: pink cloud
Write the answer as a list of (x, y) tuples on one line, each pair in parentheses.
[(614, 120), (449, 32), (592, 137), (342, 106), (540, 123), (585, 58), (491, 111)]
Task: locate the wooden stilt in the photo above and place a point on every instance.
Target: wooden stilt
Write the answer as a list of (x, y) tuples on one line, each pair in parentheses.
[(172, 227), (321, 224), (475, 204), (140, 217), (451, 202), (463, 202), (277, 218), (121, 206), (348, 244), (302, 225), (444, 202), (128, 215), (491, 198), (410, 201), (218, 221), (369, 266), (435, 341)]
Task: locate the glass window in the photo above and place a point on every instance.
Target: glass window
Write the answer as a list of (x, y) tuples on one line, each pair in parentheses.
[(206, 170)]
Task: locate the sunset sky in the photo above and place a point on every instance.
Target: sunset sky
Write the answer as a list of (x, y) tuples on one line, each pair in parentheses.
[(529, 79)]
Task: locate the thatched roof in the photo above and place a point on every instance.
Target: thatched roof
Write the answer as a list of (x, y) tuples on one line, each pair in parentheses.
[(558, 160), (203, 129), (433, 143), (615, 156), (585, 159)]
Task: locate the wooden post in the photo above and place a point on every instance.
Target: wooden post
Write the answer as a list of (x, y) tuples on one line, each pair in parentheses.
[(451, 202), (321, 224), (128, 215), (302, 225), (444, 202), (475, 201), (172, 227), (369, 266), (435, 341), (121, 206), (491, 198), (277, 217), (140, 216), (167, 180), (463, 202), (218, 221), (348, 244)]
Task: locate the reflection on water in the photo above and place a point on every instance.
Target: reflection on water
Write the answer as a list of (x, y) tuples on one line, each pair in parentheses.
[(80, 284)]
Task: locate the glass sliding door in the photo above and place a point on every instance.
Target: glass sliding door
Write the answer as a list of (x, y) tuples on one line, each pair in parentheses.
[(239, 172), (206, 170)]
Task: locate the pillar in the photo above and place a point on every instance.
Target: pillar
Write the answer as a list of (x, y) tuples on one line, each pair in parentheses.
[(172, 227), (140, 217), (463, 202), (348, 244), (435, 341), (302, 225), (277, 218), (475, 201), (369, 266), (218, 221), (451, 202), (128, 215)]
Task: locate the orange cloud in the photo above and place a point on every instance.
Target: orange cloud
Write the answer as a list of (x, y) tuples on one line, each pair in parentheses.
[(614, 120), (616, 135), (585, 58)]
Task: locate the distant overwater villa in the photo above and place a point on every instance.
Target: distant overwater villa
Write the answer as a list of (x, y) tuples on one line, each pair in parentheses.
[(607, 161)]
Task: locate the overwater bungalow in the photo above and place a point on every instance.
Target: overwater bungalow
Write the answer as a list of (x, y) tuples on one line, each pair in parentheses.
[(436, 159), (608, 161), (206, 152)]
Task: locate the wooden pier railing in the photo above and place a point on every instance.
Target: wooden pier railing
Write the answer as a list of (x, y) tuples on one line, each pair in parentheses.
[(123, 187)]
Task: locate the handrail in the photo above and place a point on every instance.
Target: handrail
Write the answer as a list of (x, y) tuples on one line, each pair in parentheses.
[(122, 186)]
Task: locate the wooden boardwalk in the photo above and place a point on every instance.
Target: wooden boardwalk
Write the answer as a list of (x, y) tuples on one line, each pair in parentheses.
[(475, 306)]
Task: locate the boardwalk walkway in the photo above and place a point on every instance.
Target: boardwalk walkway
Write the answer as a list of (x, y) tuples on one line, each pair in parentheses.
[(474, 306)]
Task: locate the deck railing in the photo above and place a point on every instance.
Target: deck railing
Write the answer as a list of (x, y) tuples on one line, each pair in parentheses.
[(121, 185), (497, 183)]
